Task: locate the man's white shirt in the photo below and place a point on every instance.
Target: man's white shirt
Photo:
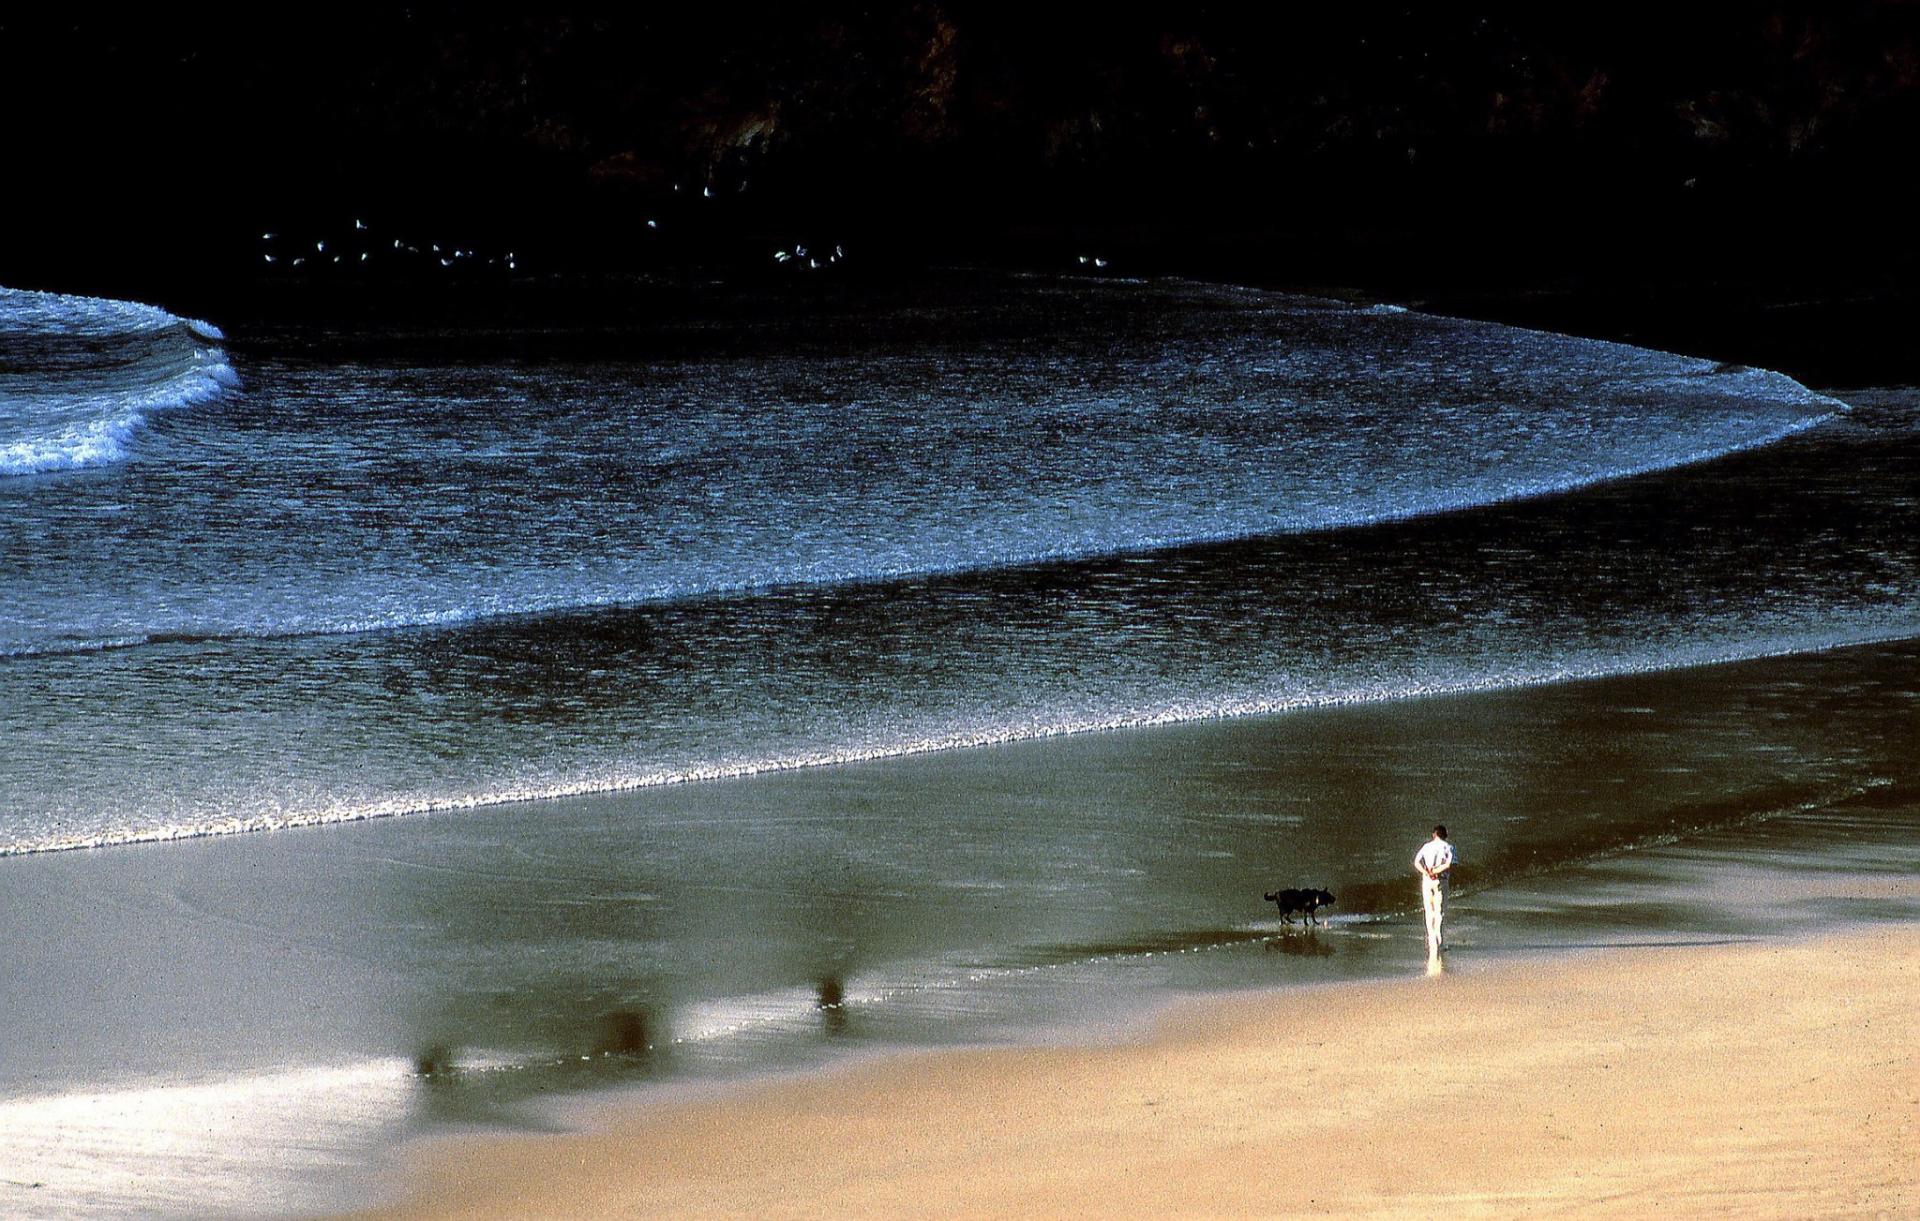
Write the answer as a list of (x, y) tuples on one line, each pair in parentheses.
[(1434, 856)]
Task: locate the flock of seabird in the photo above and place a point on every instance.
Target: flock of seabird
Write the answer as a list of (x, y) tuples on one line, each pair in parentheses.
[(804, 258), (362, 248), (281, 252)]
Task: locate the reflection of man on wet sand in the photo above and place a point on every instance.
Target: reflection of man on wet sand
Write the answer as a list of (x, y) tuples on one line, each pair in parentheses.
[(1432, 863)]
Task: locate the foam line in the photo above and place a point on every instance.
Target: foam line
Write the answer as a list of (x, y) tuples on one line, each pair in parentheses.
[(1179, 712)]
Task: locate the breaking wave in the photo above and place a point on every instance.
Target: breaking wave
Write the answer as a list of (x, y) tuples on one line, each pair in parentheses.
[(421, 498), (80, 376)]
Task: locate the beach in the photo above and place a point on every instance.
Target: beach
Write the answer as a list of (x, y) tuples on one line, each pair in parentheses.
[(282, 1023), (1755, 1079)]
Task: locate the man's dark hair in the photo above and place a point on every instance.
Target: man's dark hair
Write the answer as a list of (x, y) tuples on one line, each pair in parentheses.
[(1440, 830)]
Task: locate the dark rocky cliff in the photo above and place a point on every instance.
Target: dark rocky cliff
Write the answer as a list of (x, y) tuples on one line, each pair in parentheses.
[(1399, 146)]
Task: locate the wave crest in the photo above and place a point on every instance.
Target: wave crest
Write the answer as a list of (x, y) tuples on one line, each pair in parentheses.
[(81, 376)]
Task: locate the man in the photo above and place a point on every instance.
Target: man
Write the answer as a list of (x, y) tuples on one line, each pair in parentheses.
[(1433, 862)]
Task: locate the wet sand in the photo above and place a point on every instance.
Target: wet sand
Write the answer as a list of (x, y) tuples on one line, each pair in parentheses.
[(1752, 1079), (556, 958)]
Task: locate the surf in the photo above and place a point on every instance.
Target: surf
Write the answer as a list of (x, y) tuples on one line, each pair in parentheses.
[(624, 777), (81, 377), (1176, 415), (361, 590)]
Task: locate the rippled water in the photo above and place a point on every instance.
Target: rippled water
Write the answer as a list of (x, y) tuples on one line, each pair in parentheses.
[(994, 510)]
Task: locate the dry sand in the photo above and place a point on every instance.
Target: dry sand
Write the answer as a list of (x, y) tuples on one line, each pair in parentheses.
[(1777, 1080)]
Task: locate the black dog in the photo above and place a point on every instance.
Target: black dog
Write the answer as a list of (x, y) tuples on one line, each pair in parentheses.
[(1306, 902)]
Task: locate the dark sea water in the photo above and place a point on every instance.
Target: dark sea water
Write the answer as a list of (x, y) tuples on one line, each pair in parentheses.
[(993, 510), (588, 604)]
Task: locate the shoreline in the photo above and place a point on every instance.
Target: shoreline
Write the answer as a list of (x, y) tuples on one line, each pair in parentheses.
[(517, 951), (1526, 1086), (1157, 720)]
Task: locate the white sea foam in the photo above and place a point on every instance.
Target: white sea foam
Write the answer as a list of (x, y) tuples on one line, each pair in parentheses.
[(102, 435), (88, 373)]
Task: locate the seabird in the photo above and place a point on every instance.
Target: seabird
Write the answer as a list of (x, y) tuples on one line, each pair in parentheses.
[(707, 191), (320, 247), (359, 224), (269, 258), (1084, 260), (1099, 262), (267, 237), (653, 224), (300, 260), (363, 256), (779, 256), (839, 252), (446, 262)]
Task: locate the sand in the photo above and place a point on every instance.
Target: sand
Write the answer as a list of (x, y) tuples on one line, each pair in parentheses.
[(1754, 1079)]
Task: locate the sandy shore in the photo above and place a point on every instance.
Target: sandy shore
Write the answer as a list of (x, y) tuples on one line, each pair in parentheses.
[(1758, 1079)]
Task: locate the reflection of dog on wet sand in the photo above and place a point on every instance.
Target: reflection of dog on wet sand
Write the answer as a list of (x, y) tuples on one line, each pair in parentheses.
[(1305, 902), (1301, 947)]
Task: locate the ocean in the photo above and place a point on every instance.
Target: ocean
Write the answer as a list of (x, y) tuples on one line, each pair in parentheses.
[(416, 723)]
